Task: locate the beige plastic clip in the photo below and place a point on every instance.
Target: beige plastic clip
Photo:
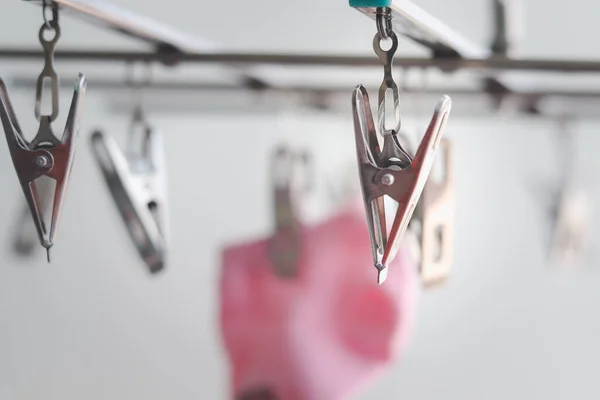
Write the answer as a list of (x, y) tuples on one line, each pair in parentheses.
[(436, 212)]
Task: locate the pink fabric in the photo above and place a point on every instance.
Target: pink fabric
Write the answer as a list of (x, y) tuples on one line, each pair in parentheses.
[(324, 333)]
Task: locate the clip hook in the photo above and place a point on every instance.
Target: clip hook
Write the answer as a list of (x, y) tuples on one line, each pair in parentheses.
[(285, 245), (137, 181)]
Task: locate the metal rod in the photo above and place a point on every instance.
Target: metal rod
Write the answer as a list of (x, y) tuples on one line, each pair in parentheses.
[(199, 86), (492, 63)]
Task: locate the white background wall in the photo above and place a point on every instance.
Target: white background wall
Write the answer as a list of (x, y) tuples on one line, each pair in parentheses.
[(93, 325)]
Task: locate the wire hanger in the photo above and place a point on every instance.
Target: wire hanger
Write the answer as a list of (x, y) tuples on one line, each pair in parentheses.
[(45, 155), (388, 169), (137, 181)]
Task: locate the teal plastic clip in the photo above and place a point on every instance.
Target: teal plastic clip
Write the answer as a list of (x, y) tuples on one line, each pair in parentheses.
[(370, 3)]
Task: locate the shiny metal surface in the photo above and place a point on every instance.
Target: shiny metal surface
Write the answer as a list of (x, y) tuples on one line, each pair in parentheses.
[(376, 166), (45, 155), (137, 181), (48, 73), (24, 234), (388, 85)]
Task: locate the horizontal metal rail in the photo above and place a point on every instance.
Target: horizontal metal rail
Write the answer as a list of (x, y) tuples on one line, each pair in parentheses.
[(307, 60)]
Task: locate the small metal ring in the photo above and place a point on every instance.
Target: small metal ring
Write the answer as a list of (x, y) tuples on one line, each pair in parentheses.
[(53, 27), (377, 45), (383, 20)]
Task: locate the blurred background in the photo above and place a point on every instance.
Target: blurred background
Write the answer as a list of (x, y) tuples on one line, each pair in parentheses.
[(95, 325)]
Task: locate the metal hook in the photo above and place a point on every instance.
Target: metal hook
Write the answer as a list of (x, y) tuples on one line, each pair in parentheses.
[(383, 19), (388, 85)]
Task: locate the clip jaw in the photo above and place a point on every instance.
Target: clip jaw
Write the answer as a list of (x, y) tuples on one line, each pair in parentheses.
[(25, 233), (391, 171), (137, 182), (45, 155), (436, 213), (285, 245)]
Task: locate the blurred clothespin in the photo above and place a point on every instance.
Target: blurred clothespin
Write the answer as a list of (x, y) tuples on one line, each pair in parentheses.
[(137, 181), (436, 215), (388, 169), (290, 177), (570, 213), (45, 155)]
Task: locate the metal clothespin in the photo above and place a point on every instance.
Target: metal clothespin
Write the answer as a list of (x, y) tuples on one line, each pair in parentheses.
[(570, 214), (137, 180), (388, 169), (285, 245), (436, 215), (45, 155)]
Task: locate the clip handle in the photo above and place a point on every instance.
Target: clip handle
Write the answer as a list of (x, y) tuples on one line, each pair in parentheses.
[(407, 185)]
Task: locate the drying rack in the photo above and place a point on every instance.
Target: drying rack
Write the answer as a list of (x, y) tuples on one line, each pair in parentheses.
[(450, 52)]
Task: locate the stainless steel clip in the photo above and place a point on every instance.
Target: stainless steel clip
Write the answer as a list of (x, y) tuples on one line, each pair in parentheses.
[(45, 155), (390, 170), (137, 181)]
